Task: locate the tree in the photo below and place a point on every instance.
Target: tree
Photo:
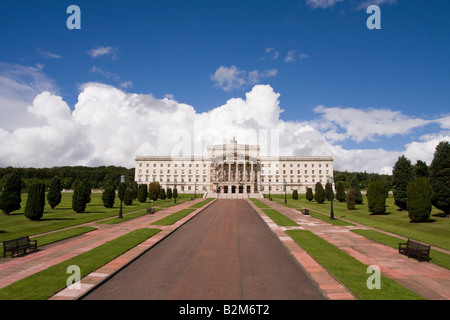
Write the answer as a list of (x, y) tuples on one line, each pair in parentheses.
[(153, 190), (340, 191), (34, 209), (309, 194), (162, 194), (295, 194), (329, 194), (169, 193), (376, 197), (121, 191), (354, 183), (421, 169), (54, 192), (81, 196), (142, 193), (419, 194), (440, 177), (319, 196), (134, 190), (10, 198), (108, 197), (403, 174), (175, 193), (128, 197), (350, 198)]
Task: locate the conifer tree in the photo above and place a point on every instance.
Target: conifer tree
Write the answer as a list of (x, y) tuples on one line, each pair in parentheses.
[(34, 208), (54, 192), (319, 196), (108, 197), (142, 193), (81, 196), (295, 194), (421, 169), (153, 190), (309, 194), (329, 194), (169, 193), (10, 197), (419, 194), (340, 191), (440, 177), (403, 174), (162, 194), (128, 197), (350, 198), (376, 197)]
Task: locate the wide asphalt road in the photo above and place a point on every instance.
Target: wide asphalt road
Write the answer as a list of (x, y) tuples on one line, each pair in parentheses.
[(226, 252)]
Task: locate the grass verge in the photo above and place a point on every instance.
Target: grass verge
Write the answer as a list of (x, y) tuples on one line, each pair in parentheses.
[(201, 203), (259, 204), (278, 218), (174, 217), (44, 284), (349, 271)]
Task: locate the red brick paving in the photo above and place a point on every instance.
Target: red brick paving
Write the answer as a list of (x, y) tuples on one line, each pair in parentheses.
[(427, 279)]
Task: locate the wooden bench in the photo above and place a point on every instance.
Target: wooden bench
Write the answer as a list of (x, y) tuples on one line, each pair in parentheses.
[(415, 249), (19, 244)]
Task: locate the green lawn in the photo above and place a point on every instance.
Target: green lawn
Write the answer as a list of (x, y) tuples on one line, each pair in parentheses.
[(201, 203), (279, 218), (348, 270), (17, 225), (46, 283), (174, 217), (435, 232)]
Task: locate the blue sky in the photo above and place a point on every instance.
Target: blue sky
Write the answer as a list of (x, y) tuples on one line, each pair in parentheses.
[(205, 53)]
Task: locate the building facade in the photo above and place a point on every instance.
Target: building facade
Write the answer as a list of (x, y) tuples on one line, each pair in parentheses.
[(234, 169)]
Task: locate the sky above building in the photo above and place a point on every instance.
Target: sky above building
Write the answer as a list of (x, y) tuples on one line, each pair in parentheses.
[(303, 77)]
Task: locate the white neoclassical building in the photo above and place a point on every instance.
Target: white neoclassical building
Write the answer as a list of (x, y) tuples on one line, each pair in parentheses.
[(234, 169)]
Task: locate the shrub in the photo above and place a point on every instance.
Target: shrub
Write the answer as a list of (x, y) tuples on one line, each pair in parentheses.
[(295, 194), (128, 197), (376, 197), (169, 193), (34, 208), (319, 196), (10, 198), (153, 190), (175, 193), (309, 194), (81, 196), (162, 194), (350, 198), (54, 192), (142, 193), (108, 197), (419, 194), (340, 191)]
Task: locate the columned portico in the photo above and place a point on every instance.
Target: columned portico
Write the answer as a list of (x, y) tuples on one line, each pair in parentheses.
[(232, 168)]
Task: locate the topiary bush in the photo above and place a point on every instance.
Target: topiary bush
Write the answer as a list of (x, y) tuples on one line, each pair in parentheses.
[(34, 209), (419, 195)]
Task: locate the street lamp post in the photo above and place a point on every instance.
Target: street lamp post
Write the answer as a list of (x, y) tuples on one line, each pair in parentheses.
[(121, 193), (285, 199), (330, 181), (195, 190), (269, 189)]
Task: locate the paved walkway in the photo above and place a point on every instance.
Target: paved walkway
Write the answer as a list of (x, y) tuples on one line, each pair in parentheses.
[(226, 253), (427, 279)]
